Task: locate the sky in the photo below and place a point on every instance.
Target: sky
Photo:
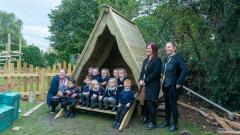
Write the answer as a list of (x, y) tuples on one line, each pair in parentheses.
[(34, 15)]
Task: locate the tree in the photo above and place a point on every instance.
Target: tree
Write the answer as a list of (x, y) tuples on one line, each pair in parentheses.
[(32, 55), (9, 24), (70, 26), (51, 58)]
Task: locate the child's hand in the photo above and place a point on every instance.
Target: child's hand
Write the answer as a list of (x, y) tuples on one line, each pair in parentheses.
[(104, 83), (94, 95), (74, 95), (100, 97), (119, 105), (128, 104)]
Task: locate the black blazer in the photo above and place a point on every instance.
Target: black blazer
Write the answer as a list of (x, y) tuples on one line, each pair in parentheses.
[(176, 72), (152, 77)]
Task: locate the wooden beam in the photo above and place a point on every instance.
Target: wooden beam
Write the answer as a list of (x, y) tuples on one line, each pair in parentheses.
[(96, 110), (128, 116), (33, 109), (59, 114), (221, 122), (229, 132)]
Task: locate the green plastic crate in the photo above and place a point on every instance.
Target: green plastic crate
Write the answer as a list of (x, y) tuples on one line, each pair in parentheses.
[(11, 99), (6, 116)]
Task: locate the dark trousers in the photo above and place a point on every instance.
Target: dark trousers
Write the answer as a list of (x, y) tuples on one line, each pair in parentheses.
[(54, 103), (170, 98), (150, 110), (69, 101), (122, 110)]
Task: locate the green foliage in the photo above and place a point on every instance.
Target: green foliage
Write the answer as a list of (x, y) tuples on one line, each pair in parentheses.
[(51, 58), (207, 33), (9, 24), (128, 8), (71, 24), (32, 55)]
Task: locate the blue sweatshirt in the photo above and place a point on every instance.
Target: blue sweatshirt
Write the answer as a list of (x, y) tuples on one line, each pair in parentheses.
[(126, 96)]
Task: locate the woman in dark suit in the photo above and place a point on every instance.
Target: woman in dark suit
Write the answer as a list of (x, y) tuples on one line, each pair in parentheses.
[(174, 74), (150, 79)]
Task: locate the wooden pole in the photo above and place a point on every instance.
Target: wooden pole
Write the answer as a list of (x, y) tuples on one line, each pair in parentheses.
[(69, 69), (12, 77), (48, 77), (65, 65), (31, 77), (18, 74), (37, 79), (25, 78), (43, 83), (5, 78), (20, 48)]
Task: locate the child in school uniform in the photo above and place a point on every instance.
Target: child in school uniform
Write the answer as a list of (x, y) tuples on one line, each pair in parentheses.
[(111, 94), (103, 80), (96, 93), (95, 74), (122, 76), (126, 98), (115, 73), (84, 95), (70, 98)]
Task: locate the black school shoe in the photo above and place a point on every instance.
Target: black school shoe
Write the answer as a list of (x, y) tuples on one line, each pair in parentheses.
[(173, 128), (72, 115), (117, 125), (151, 125)]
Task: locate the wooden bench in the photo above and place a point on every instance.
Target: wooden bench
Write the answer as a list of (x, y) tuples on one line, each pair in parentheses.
[(124, 123)]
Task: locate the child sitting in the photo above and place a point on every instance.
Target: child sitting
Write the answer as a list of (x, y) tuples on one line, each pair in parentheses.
[(95, 74), (84, 96), (70, 98), (96, 94), (126, 98), (115, 73), (90, 72), (111, 94), (122, 76), (103, 80)]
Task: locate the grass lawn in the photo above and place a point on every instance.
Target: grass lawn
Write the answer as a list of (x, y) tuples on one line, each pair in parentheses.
[(41, 122)]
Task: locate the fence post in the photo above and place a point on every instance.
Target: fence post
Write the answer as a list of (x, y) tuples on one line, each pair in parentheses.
[(18, 74), (31, 77), (59, 66), (65, 65), (12, 76), (54, 68), (43, 83), (48, 77), (25, 77), (69, 69), (5, 78), (37, 79)]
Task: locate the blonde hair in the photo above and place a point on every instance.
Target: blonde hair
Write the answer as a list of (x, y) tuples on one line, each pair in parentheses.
[(112, 80), (123, 70), (106, 70), (93, 82), (128, 81)]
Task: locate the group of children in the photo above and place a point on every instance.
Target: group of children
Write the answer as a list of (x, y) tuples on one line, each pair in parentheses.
[(102, 91)]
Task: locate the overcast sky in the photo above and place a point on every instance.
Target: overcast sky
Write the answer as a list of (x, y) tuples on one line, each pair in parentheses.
[(34, 14)]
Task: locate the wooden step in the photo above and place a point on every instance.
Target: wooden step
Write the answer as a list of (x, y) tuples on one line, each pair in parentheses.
[(96, 110)]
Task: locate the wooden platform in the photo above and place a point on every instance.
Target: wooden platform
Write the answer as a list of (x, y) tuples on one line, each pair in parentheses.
[(124, 123)]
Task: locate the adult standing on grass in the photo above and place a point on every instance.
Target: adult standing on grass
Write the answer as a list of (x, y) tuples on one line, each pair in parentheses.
[(150, 79), (58, 84), (175, 72)]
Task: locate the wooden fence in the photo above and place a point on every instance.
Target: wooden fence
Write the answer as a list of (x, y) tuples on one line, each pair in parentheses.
[(23, 78)]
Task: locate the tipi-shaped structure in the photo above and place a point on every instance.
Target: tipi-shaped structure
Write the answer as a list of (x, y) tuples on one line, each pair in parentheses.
[(115, 42)]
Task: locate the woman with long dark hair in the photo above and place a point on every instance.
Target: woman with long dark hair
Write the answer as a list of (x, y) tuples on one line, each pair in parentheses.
[(150, 79)]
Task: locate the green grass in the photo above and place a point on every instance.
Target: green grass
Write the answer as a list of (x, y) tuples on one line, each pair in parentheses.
[(41, 122)]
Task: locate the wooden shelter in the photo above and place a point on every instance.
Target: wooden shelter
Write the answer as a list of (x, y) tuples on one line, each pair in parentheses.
[(115, 42)]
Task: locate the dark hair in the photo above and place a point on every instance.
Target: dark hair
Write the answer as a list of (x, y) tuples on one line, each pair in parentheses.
[(154, 48), (72, 80)]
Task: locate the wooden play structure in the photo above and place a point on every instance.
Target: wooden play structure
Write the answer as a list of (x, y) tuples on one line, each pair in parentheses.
[(115, 42)]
